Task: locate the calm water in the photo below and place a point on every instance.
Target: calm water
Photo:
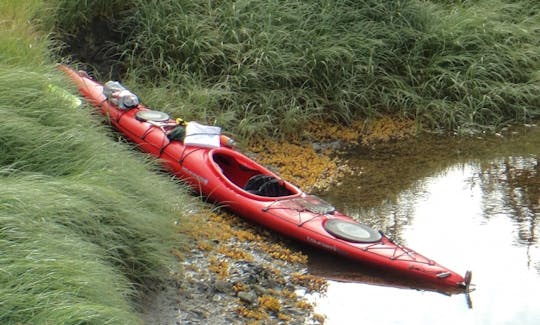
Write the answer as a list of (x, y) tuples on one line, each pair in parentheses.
[(470, 204)]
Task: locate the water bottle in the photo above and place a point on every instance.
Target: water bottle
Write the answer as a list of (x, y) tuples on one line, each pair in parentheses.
[(225, 141), (119, 95)]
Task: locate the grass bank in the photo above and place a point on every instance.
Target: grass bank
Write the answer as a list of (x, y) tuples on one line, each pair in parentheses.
[(83, 221), (269, 67)]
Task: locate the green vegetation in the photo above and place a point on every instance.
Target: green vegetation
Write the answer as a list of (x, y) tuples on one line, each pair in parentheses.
[(84, 222), (267, 67)]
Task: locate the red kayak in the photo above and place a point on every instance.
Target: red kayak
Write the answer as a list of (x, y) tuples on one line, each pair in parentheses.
[(252, 191)]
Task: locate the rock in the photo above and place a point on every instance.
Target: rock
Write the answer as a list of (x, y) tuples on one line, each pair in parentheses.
[(294, 311), (334, 146), (247, 296), (271, 283), (260, 290), (222, 286)]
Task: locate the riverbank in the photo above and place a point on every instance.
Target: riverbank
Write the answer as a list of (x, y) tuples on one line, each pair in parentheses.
[(234, 273)]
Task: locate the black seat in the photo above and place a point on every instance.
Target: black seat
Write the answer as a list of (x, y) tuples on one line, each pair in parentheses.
[(266, 185)]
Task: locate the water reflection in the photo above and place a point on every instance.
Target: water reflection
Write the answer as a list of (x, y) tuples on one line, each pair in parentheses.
[(469, 204), (511, 186)]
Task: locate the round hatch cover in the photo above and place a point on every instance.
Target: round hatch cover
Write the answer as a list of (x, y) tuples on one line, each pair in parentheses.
[(351, 231), (155, 116)]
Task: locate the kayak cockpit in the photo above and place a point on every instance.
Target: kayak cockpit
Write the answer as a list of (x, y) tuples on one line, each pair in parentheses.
[(248, 177)]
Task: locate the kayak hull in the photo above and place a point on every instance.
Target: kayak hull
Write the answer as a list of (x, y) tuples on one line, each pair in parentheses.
[(222, 174)]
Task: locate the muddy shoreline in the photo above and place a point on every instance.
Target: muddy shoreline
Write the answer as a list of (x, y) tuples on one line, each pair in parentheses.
[(246, 275)]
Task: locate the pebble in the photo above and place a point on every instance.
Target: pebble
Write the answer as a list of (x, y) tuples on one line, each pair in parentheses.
[(248, 296), (222, 286)]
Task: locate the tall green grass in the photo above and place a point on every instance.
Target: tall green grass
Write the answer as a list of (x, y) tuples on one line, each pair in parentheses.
[(21, 42), (51, 275), (482, 64), (69, 16), (85, 222), (269, 66)]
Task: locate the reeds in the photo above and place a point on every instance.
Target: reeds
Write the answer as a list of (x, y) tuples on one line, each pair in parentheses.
[(460, 65), (51, 273), (85, 222)]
